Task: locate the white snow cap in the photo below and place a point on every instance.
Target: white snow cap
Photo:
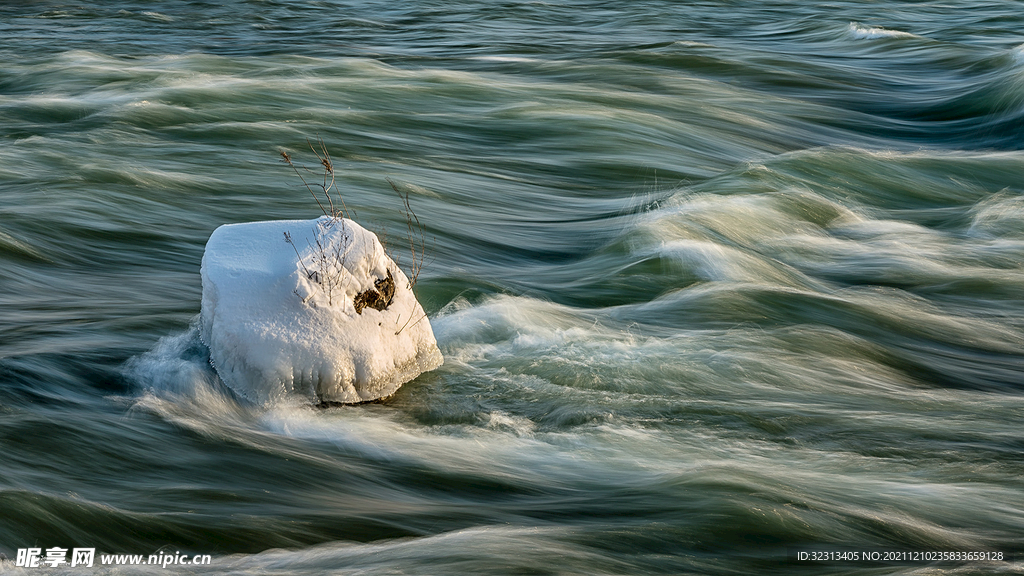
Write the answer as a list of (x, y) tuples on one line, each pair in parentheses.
[(313, 307)]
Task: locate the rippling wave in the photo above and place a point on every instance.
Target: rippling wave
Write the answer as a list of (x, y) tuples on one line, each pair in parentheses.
[(714, 282)]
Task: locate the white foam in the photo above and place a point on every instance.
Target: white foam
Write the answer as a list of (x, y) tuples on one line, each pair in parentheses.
[(503, 421), (692, 44), (281, 318), (172, 366), (158, 16), (1017, 53), (999, 216), (869, 32), (503, 59), (711, 261)]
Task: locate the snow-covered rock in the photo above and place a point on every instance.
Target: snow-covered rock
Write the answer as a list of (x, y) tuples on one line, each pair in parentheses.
[(314, 307)]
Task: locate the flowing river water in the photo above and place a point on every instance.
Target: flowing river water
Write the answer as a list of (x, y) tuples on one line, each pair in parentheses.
[(717, 283)]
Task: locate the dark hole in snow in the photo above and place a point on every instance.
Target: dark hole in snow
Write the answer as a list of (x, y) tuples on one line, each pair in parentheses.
[(379, 297)]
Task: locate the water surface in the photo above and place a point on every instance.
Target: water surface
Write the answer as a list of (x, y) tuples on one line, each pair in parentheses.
[(715, 282)]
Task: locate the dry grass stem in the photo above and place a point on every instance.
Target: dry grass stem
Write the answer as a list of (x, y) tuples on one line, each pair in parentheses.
[(415, 234), (328, 260), (329, 183)]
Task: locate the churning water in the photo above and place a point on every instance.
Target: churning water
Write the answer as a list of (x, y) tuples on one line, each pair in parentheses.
[(716, 282)]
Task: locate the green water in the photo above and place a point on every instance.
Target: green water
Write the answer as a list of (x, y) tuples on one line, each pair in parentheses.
[(715, 282)]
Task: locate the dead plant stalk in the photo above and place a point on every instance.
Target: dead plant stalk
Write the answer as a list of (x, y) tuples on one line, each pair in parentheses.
[(329, 257)]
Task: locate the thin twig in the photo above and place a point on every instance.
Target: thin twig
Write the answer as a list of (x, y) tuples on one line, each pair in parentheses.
[(287, 158), (288, 239), (407, 323), (325, 161), (411, 221), (329, 259)]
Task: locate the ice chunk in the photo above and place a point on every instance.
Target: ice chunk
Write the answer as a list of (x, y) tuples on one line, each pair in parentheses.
[(313, 307)]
